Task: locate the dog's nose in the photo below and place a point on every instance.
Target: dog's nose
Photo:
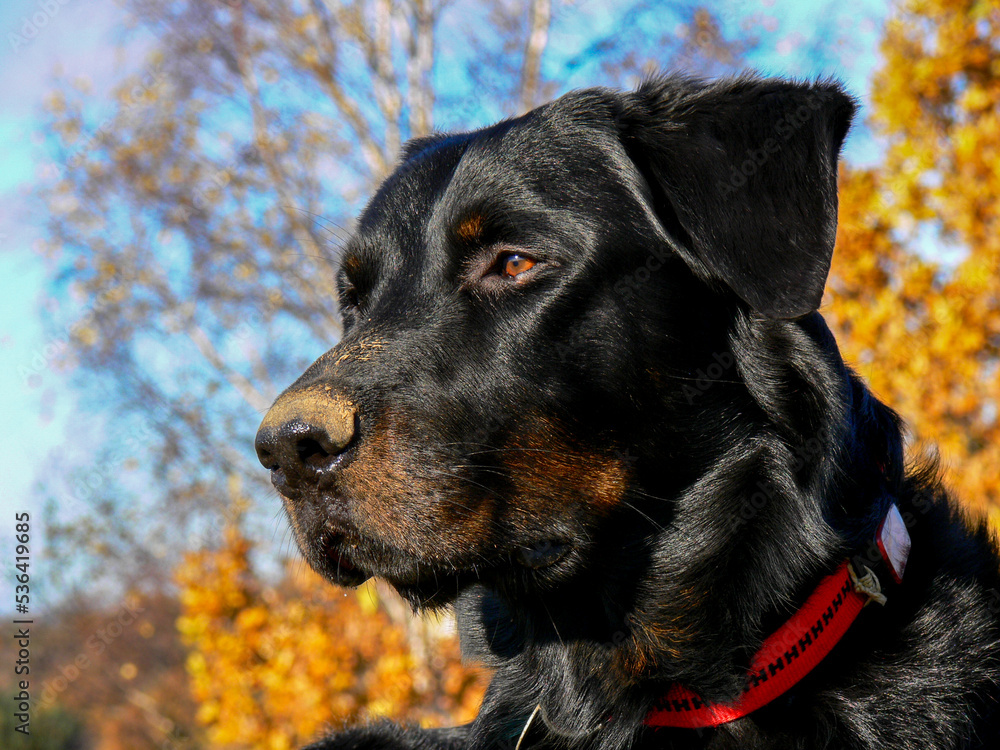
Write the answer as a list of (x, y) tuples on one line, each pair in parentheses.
[(304, 433)]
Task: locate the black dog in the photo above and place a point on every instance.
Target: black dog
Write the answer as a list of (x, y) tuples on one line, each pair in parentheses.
[(584, 394)]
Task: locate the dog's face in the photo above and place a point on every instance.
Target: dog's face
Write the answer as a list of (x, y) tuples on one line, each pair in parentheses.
[(537, 322)]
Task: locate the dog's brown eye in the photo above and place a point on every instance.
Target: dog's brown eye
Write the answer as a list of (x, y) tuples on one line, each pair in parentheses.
[(513, 265)]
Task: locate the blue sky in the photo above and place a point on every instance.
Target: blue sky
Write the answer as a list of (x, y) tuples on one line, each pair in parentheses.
[(36, 43), (80, 39)]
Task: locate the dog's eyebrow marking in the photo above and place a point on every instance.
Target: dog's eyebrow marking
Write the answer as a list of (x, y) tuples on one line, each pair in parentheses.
[(470, 229), (351, 264)]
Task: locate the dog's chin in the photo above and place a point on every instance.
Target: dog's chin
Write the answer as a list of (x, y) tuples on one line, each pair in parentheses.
[(344, 572), (349, 562), (330, 557)]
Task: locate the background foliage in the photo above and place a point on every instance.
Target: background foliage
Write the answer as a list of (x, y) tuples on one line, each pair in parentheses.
[(197, 229), (915, 292)]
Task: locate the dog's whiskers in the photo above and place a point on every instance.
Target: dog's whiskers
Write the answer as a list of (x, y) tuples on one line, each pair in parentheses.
[(630, 506)]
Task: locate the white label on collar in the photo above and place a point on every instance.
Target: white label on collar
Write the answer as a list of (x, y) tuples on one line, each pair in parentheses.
[(894, 542)]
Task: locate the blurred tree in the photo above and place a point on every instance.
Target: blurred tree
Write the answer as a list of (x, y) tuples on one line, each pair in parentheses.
[(197, 228), (916, 281)]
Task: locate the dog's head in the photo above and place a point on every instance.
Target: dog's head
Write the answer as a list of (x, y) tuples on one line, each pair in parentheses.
[(542, 326)]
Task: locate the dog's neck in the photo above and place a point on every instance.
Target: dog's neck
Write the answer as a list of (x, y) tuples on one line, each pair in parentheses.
[(786, 501), (801, 643), (692, 602)]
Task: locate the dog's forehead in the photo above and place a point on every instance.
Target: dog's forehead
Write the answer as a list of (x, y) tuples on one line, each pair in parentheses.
[(552, 157), (406, 195), (545, 153)]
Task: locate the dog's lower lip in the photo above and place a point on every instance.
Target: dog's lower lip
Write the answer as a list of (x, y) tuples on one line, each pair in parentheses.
[(344, 564), (542, 554), (333, 548)]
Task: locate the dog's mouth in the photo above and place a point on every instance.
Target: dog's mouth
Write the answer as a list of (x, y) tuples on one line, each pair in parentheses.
[(543, 554), (337, 563), (350, 561)]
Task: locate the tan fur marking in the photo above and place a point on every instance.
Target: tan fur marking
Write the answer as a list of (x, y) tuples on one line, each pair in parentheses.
[(332, 413), (383, 481), (362, 351), (638, 657), (546, 468), (470, 229), (352, 264)]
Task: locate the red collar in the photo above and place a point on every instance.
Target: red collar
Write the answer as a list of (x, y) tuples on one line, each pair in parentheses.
[(793, 650)]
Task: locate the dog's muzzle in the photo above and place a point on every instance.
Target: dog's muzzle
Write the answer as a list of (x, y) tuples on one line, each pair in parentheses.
[(304, 435)]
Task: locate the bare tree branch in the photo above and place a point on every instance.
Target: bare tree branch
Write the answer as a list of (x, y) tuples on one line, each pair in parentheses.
[(374, 154), (534, 48), (418, 39), (303, 229), (237, 380), (386, 90)]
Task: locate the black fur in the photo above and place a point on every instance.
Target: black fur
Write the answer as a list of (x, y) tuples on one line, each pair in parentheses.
[(628, 465)]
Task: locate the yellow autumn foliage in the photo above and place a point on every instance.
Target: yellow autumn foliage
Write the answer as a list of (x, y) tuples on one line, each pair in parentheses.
[(915, 289), (272, 666)]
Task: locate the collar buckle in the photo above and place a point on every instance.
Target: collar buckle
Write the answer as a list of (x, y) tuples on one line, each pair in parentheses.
[(868, 585)]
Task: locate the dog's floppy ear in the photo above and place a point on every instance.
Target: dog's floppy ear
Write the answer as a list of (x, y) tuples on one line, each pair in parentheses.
[(744, 175)]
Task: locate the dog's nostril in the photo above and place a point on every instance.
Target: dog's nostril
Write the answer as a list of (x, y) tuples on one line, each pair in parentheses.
[(304, 433), (312, 453), (266, 457)]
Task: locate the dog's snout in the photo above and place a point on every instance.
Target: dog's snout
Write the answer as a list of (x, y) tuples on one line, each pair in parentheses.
[(305, 432)]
